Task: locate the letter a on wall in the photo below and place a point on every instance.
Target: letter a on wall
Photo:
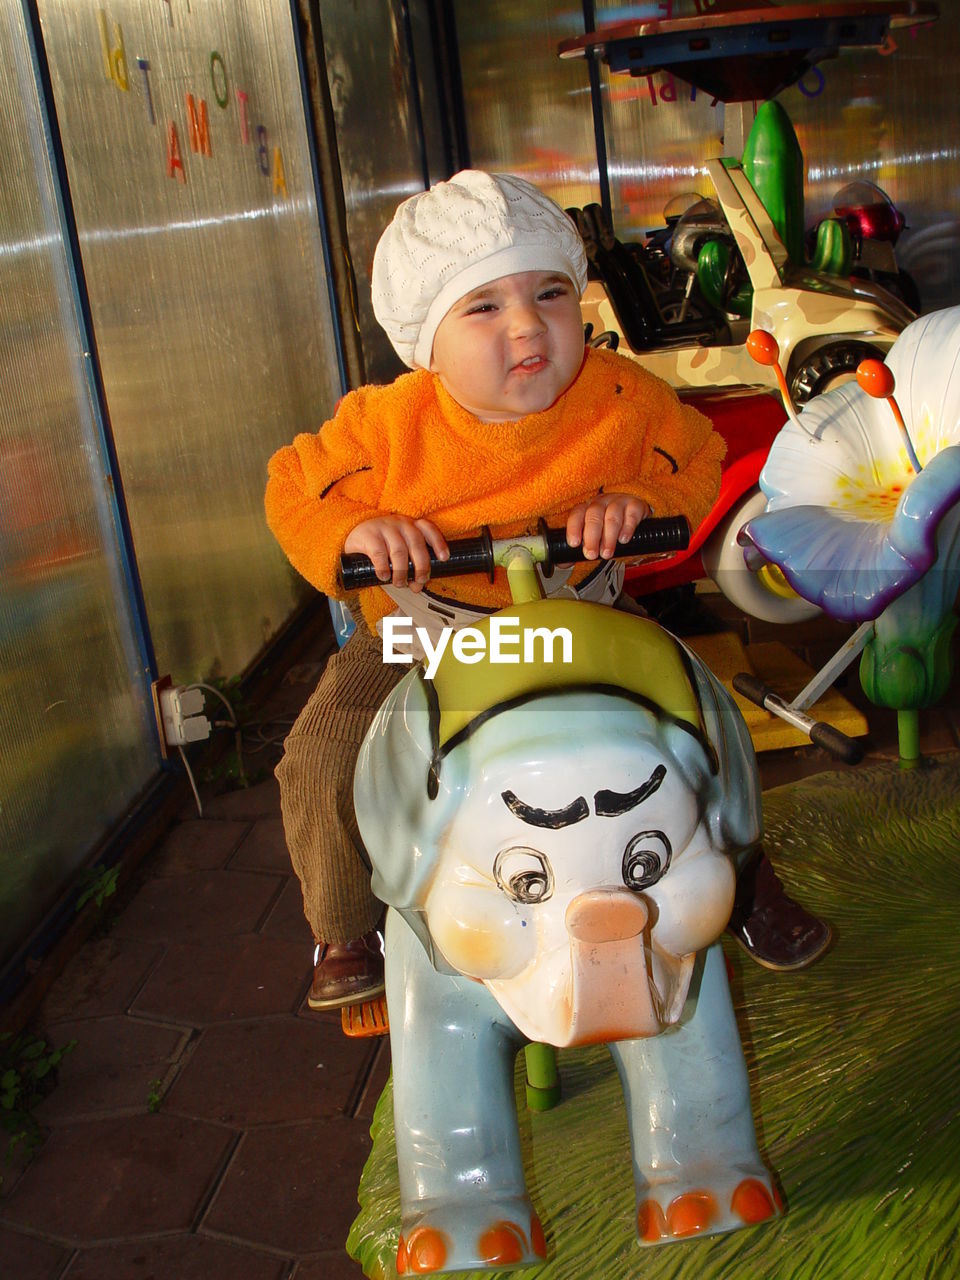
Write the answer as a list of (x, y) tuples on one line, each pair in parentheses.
[(174, 158)]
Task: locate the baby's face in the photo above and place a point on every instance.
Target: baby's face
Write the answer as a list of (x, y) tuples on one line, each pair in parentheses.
[(510, 347)]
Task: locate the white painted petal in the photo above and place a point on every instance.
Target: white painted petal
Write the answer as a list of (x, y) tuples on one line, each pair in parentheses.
[(925, 362), (850, 454)]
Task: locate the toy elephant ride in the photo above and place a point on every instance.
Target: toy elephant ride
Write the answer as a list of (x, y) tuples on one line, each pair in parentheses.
[(556, 841)]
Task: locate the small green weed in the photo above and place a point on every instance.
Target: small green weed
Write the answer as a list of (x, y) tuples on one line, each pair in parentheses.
[(99, 883), (27, 1074), (232, 691), (228, 772), (155, 1096)]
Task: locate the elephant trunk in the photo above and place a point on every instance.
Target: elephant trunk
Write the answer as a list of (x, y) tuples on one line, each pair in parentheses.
[(609, 996)]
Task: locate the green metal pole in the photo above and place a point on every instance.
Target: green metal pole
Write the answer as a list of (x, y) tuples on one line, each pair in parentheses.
[(908, 734), (543, 1078), (520, 559), (521, 566)]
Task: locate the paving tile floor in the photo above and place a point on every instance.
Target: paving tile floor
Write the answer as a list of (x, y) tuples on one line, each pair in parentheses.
[(207, 1124)]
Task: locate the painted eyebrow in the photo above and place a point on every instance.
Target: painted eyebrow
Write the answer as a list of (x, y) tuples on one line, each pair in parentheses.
[(552, 819), (609, 804)]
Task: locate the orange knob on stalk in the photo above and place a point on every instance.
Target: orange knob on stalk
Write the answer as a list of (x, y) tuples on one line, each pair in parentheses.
[(877, 380), (763, 349)]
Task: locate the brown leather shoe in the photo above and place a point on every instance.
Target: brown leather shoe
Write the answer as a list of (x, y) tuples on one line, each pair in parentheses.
[(773, 929), (347, 973)]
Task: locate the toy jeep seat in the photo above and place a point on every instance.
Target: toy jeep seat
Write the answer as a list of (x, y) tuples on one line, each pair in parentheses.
[(629, 290)]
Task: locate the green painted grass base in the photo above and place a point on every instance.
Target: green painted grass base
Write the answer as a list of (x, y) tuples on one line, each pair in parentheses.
[(854, 1064)]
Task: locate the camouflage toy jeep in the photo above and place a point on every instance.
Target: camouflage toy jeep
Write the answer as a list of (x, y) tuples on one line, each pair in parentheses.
[(751, 271)]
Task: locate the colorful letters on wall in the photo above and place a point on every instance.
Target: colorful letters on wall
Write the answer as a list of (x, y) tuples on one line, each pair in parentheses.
[(195, 120)]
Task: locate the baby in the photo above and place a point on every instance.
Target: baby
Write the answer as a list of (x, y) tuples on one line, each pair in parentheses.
[(505, 418)]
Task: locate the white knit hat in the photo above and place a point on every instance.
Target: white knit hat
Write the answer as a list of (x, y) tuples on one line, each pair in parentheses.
[(459, 235)]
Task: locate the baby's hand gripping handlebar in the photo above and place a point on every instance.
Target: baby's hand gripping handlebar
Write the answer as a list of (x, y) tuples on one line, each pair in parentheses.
[(549, 547)]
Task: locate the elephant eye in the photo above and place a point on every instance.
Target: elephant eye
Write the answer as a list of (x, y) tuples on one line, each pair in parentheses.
[(523, 874), (645, 859)]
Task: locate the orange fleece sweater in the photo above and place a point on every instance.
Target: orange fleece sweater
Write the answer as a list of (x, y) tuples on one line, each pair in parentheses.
[(409, 448)]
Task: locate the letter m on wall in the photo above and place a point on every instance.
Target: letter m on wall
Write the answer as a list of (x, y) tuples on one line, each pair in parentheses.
[(198, 126)]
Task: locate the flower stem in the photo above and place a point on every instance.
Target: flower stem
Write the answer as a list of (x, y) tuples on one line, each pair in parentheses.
[(908, 736)]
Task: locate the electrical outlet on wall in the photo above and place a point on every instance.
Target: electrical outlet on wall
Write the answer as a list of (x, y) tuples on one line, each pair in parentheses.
[(179, 712)]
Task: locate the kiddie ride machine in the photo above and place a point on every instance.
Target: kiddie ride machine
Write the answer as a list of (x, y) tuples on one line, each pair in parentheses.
[(685, 302), (741, 259), (556, 839)]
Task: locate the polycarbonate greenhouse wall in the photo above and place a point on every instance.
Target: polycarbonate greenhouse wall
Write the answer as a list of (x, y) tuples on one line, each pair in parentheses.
[(166, 324)]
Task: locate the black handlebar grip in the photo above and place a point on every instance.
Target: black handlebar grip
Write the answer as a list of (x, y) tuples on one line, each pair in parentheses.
[(663, 534), (467, 555), (751, 687), (849, 750)]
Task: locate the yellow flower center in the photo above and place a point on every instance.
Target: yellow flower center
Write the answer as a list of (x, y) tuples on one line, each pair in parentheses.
[(874, 495)]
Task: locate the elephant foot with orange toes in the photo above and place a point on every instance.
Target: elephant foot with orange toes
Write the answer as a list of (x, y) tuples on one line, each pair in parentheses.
[(508, 1234), (706, 1207), (516, 1238)]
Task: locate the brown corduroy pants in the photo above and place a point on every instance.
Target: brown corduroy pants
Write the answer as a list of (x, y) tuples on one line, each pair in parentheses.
[(316, 790)]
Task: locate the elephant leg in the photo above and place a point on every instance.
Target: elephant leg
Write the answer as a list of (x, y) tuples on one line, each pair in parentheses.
[(695, 1157), (463, 1197)]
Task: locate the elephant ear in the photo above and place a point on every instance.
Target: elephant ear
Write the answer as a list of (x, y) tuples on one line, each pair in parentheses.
[(734, 813), (401, 812)]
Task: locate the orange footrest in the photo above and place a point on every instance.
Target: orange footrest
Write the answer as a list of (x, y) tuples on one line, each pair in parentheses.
[(367, 1019)]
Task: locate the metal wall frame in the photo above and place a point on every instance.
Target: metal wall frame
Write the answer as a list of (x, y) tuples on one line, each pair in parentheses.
[(94, 374)]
